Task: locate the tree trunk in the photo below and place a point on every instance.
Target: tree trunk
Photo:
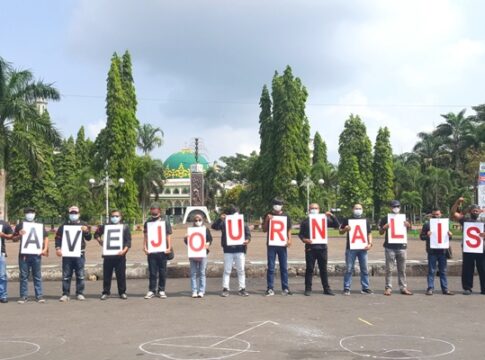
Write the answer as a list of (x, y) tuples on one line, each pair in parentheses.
[(3, 189)]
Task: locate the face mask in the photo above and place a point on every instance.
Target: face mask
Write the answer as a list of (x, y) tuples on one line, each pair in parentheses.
[(396, 210), (358, 212), (314, 211), (155, 216), (198, 223), (474, 216), (30, 216), (277, 207), (73, 217), (115, 219)]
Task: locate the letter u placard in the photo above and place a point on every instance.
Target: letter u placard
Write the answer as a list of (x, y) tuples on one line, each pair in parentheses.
[(234, 229)]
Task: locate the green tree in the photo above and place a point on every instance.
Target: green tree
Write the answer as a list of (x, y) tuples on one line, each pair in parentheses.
[(18, 93), (352, 188), (265, 163), (149, 179), (435, 184), (412, 202), (383, 171), (148, 139)]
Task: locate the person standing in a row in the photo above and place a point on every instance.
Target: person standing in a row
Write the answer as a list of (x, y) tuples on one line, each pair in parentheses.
[(6, 232)]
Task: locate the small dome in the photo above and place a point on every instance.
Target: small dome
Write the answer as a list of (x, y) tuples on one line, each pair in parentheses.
[(177, 165)]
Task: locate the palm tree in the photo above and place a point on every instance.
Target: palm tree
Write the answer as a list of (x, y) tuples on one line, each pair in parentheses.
[(436, 184), (149, 178), (430, 150), (148, 138), (412, 202), (21, 125)]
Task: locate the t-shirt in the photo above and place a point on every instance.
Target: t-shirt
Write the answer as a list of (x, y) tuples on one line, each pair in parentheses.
[(304, 233), (424, 236), (126, 234), (6, 229), (383, 222), (168, 226), (86, 236), (345, 222)]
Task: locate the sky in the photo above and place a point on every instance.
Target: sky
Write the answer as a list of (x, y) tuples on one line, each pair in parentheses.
[(200, 65)]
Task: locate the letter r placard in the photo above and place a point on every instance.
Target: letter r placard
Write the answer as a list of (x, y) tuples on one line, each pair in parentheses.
[(278, 231)]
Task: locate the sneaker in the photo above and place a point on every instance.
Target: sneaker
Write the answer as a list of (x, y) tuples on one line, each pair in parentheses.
[(200, 295), (194, 294), (429, 291), (149, 295), (225, 292), (40, 300), (162, 294), (286, 292), (80, 297), (307, 293), (346, 292), (123, 296), (388, 292), (243, 292), (366, 291), (406, 291), (22, 300), (328, 292), (467, 292), (3, 300), (64, 298), (105, 297), (448, 292), (269, 292)]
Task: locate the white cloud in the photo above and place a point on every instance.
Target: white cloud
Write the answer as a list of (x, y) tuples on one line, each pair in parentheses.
[(93, 129)]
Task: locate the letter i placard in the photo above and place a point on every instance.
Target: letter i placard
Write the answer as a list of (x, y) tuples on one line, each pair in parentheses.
[(157, 237), (234, 229), (439, 238)]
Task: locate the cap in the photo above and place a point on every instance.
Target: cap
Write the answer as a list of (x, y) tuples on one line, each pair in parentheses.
[(155, 205), (29, 209), (395, 203), (73, 209), (474, 207), (278, 201)]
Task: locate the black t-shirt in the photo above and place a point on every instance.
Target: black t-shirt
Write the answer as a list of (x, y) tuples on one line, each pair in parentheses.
[(20, 226), (345, 222), (168, 227), (6, 229), (383, 222), (288, 223), (332, 222), (468, 218)]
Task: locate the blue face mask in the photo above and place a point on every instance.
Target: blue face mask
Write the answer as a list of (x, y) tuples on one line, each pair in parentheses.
[(115, 219), (73, 217), (30, 216)]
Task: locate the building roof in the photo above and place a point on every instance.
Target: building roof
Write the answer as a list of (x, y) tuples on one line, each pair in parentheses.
[(178, 164)]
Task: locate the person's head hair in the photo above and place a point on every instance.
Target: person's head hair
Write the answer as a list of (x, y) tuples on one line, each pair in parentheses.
[(232, 209), (114, 211), (198, 217), (278, 201), (155, 205), (73, 209), (29, 209), (358, 206), (314, 206), (395, 204)]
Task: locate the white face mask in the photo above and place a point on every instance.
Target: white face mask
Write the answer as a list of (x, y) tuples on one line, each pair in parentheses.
[(73, 217), (396, 210), (277, 207), (198, 223), (30, 216), (314, 211), (115, 219), (358, 212)]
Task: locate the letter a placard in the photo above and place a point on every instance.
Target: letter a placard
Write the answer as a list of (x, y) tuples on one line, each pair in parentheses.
[(439, 238), (472, 242), (318, 228), (157, 237), (278, 231), (196, 242), (358, 234), (71, 241), (112, 240), (33, 239), (397, 232), (235, 229)]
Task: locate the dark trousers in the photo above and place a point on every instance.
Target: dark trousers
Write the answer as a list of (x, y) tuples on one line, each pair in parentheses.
[(157, 267), (118, 264), (470, 260), (321, 256), (71, 265)]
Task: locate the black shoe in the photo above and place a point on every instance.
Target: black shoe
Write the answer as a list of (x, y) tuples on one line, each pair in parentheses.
[(429, 291), (4, 300), (307, 293), (328, 292), (225, 292), (467, 292)]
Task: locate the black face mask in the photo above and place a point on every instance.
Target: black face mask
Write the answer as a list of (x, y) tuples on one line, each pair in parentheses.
[(474, 216), (155, 216)]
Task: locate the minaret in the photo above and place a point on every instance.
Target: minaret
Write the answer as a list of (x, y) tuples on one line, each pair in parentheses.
[(41, 105)]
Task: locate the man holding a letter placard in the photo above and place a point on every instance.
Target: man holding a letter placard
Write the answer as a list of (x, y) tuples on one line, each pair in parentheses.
[(359, 241), (437, 235), (277, 225), (34, 244), (116, 242), (157, 244), (314, 233), (473, 249), (235, 237), (395, 226), (6, 232), (70, 242)]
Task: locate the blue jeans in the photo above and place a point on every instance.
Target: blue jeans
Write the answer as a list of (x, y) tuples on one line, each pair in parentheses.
[(3, 277), (197, 271), (442, 267), (72, 265), (350, 256), (29, 263), (283, 261)]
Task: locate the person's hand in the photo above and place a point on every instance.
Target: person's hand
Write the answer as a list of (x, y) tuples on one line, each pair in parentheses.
[(223, 216), (168, 251), (450, 233), (307, 241), (246, 242), (482, 234), (58, 252), (269, 216), (385, 226), (328, 213), (2, 234), (429, 233), (207, 246), (84, 228), (22, 232), (407, 224), (347, 228), (368, 247), (45, 252), (145, 250), (122, 252), (288, 244), (100, 242)]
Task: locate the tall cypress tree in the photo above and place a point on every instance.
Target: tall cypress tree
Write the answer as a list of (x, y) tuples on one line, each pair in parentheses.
[(383, 171), (319, 171), (68, 171), (319, 150), (265, 162)]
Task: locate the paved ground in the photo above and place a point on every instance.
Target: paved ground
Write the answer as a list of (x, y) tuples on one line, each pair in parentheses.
[(295, 327)]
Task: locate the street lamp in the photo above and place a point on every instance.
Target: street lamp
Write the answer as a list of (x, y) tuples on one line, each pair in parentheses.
[(106, 182), (308, 183)]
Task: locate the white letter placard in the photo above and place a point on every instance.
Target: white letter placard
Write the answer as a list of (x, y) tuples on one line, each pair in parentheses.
[(71, 241), (472, 242), (196, 242), (156, 237), (278, 231), (358, 234), (234, 229), (439, 238), (318, 228), (112, 239), (397, 232), (33, 239)]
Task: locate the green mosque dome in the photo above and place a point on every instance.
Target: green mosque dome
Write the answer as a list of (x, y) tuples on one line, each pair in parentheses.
[(177, 165)]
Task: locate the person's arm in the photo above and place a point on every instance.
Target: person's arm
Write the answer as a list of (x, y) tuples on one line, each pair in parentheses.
[(288, 223), (208, 236), (304, 233), (344, 227), (98, 234), (266, 221), (19, 231), (45, 248), (126, 240), (86, 229), (383, 226), (58, 240), (369, 241), (7, 232), (455, 213), (169, 244), (247, 235), (217, 225), (424, 235)]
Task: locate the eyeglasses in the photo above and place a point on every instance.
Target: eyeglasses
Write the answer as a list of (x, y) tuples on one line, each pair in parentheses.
[(396, 207), (73, 212)]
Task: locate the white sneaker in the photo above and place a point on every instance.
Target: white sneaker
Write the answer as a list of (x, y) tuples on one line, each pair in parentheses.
[(162, 295), (64, 298), (194, 294), (200, 294), (80, 297), (149, 295)]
